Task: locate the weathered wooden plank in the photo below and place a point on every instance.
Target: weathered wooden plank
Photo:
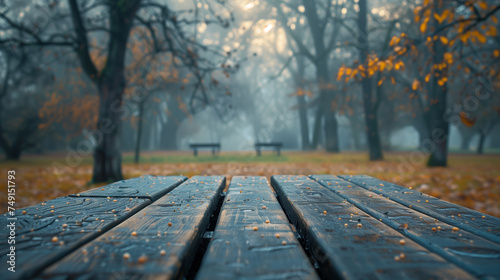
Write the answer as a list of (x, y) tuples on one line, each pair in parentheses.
[(478, 223), (74, 221), (48, 231), (147, 186), (349, 243), (475, 254), (158, 242), (253, 238)]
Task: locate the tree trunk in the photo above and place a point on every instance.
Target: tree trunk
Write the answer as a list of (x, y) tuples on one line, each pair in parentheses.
[(355, 133), (466, 138), (169, 135), (318, 119), (438, 126), (371, 122), (323, 78), (126, 136), (107, 154), (110, 82), (301, 101), (423, 133), (326, 99), (139, 132), (331, 132), (304, 125), (13, 153), (175, 116), (480, 146)]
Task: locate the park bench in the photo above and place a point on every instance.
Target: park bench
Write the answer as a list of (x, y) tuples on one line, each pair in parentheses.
[(293, 227), (276, 145), (214, 146)]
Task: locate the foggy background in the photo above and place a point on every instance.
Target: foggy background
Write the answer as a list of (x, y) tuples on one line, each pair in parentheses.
[(263, 75)]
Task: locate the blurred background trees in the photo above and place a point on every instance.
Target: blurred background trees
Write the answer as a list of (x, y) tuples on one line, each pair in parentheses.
[(106, 77)]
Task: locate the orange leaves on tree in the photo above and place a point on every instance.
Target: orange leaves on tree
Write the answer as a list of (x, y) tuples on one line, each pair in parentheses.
[(381, 81), (467, 120), (442, 81), (74, 113), (341, 72), (441, 18), (492, 31), (427, 77), (372, 65), (443, 40), (483, 5), (394, 41), (448, 58), (301, 92), (423, 25), (415, 85)]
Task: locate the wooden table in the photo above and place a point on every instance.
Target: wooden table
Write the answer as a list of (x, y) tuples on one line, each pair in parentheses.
[(294, 227), (214, 146)]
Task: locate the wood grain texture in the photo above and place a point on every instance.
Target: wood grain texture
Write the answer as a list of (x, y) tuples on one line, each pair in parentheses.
[(478, 223), (158, 242), (349, 243), (253, 238), (147, 186), (74, 224), (48, 231), (475, 254)]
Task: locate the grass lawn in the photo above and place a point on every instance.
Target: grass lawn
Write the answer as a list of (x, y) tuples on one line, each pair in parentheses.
[(470, 180)]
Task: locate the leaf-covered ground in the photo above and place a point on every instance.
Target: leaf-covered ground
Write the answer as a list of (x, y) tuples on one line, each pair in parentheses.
[(470, 180)]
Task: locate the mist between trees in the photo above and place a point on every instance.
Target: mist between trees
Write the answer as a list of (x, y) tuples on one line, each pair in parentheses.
[(103, 77)]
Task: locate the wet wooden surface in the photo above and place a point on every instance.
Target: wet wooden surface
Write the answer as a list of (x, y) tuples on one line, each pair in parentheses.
[(48, 231), (147, 186), (160, 241), (319, 226), (475, 254), (350, 243), (253, 238), (480, 224)]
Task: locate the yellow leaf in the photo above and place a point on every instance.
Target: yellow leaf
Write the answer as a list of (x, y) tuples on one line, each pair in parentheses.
[(448, 57), (494, 18), (423, 26), (442, 81), (381, 65), (464, 37), (394, 41), (468, 121), (354, 72), (482, 5), (381, 81), (341, 73), (441, 18), (427, 77), (480, 37), (496, 53), (492, 31), (393, 81), (444, 40), (415, 85)]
